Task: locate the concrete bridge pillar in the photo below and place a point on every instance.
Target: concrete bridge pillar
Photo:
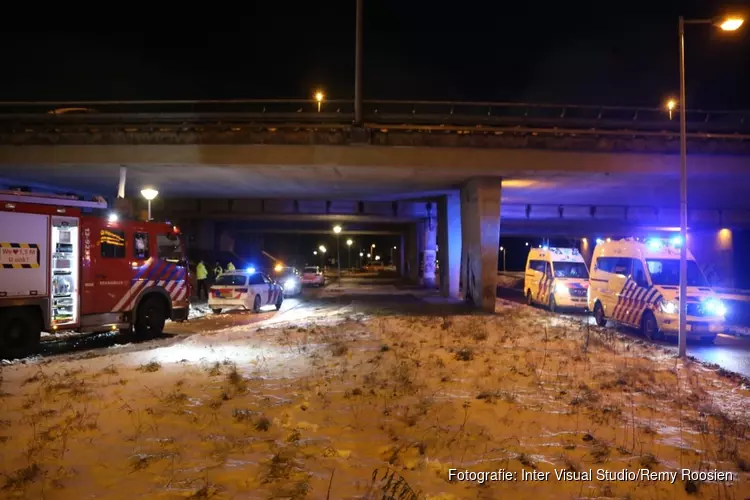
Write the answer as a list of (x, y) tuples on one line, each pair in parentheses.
[(480, 229), (714, 251), (449, 239), (429, 248)]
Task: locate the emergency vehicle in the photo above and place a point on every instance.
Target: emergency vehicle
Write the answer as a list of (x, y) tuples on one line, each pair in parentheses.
[(68, 265), (637, 284), (248, 290), (556, 278)]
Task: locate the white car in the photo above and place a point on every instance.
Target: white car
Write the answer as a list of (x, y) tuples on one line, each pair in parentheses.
[(312, 275), (244, 290)]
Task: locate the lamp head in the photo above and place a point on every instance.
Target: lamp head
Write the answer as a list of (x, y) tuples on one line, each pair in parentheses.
[(149, 193)]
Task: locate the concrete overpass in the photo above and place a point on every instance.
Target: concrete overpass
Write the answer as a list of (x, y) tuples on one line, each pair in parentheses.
[(560, 167)]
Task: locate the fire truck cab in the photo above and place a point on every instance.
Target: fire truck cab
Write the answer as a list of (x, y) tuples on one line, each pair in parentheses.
[(68, 265)]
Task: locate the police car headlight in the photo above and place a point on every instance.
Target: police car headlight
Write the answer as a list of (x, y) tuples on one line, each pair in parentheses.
[(290, 283), (669, 307), (715, 307), (561, 288)]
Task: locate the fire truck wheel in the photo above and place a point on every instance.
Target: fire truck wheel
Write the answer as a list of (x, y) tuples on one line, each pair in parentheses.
[(216, 310), (20, 333), (151, 316), (256, 304), (279, 301)]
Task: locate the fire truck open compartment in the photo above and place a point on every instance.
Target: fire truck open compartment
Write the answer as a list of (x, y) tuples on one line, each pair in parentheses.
[(65, 280)]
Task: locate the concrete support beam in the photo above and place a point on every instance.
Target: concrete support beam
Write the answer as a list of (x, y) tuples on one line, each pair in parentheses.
[(480, 228), (204, 235), (449, 244)]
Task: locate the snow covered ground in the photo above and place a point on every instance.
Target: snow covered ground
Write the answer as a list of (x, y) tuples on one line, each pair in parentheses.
[(290, 404)]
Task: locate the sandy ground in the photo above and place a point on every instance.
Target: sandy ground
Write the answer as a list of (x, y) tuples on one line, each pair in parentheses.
[(328, 400)]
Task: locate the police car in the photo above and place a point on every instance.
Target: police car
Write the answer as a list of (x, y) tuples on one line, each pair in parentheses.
[(248, 290), (557, 278), (637, 283)]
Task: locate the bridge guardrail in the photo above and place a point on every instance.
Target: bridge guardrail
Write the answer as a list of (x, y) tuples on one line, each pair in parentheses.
[(376, 113)]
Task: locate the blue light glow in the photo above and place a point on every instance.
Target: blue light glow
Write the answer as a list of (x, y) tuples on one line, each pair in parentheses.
[(654, 244), (676, 241), (251, 270), (599, 241), (715, 307)]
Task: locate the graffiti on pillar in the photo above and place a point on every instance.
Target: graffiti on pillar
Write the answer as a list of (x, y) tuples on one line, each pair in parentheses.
[(429, 264)]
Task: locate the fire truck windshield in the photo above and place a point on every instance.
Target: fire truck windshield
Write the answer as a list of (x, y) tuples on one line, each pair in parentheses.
[(170, 247)]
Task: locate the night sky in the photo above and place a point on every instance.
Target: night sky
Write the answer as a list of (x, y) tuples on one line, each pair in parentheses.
[(593, 53)]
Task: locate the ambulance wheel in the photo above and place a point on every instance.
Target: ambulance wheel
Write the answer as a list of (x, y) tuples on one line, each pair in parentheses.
[(649, 326), (20, 333), (216, 310), (256, 304), (529, 300), (552, 304), (279, 301), (150, 318), (601, 320)]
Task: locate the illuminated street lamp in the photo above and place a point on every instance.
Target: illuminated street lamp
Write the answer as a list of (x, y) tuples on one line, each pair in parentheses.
[(349, 244), (319, 96), (315, 252), (671, 104), (337, 232), (730, 23), (149, 193), (502, 249)]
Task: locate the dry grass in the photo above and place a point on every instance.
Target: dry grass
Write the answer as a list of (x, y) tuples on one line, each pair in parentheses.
[(407, 396)]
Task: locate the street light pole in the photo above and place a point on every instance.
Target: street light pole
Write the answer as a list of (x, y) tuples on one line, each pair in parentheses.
[(682, 301), (358, 68), (727, 24)]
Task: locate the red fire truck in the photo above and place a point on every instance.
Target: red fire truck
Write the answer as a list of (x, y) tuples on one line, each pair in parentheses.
[(68, 265)]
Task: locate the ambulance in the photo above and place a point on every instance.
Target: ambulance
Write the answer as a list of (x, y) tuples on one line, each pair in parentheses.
[(637, 283), (556, 278), (69, 265)]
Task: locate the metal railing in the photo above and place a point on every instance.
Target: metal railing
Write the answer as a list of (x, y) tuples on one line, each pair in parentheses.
[(377, 114)]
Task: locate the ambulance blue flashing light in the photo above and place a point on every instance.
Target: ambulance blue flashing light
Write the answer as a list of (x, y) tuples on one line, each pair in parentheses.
[(599, 241), (251, 270), (654, 245), (676, 241)]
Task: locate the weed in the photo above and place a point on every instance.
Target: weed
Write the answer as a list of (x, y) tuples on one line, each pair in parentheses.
[(465, 354), (526, 460), (236, 379), (338, 348), (215, 370), (109, 370), (243, 415), (384, 348), (22, 477), (150, 367), (263, 424), (648, 461)]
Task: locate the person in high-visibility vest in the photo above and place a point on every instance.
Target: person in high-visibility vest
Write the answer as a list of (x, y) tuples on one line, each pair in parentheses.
[(201, 276), (217, 271), (230, 267)]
